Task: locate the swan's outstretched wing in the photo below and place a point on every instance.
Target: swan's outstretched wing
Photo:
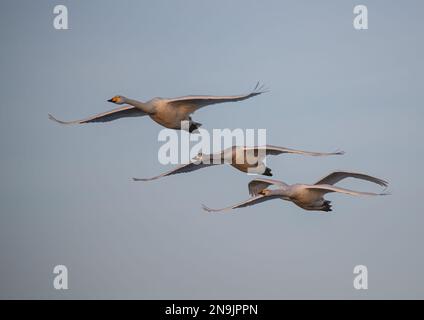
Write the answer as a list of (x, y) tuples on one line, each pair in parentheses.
[(247, 203), (184, 168), (197, 102), (257, 185), (336, 176), (122, 112), (274, 150), (326, 188)]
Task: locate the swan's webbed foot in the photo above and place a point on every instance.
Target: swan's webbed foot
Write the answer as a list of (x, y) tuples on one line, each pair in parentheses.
[(267, 172), (327, 206), (194, 126)]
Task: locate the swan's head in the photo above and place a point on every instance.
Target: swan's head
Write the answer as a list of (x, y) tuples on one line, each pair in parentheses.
[(265, 192), (198, 157), (118, 99)]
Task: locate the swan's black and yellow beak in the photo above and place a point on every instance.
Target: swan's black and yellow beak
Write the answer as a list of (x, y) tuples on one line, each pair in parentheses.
[(112, 100)]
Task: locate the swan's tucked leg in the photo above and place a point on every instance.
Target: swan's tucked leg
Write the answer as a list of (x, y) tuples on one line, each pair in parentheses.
[(194, 126), (267, 172), (260, 168), (326, 206)]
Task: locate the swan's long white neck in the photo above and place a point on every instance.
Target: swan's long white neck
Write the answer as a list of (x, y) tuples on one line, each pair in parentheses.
[(148, 108)]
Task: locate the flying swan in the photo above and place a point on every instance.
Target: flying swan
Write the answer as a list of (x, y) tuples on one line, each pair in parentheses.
[(167, 112), (308, 197), (243, 158)]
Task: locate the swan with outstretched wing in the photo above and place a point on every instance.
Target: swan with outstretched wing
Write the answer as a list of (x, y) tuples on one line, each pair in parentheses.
[(245, 159), (172, 113), (308, 197)]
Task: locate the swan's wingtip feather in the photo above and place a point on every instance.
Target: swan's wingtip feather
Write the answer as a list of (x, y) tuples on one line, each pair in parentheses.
[(141, 179), (53, 118), (207, 209)]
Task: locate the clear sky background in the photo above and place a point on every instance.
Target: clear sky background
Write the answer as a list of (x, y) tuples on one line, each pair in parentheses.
[(65, 192)]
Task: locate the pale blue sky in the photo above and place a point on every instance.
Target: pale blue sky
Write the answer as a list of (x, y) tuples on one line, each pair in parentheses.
[(66, 195)]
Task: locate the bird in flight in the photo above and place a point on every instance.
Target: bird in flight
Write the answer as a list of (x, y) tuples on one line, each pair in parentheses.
[(306, 196), (169, 113), (245, 159)]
